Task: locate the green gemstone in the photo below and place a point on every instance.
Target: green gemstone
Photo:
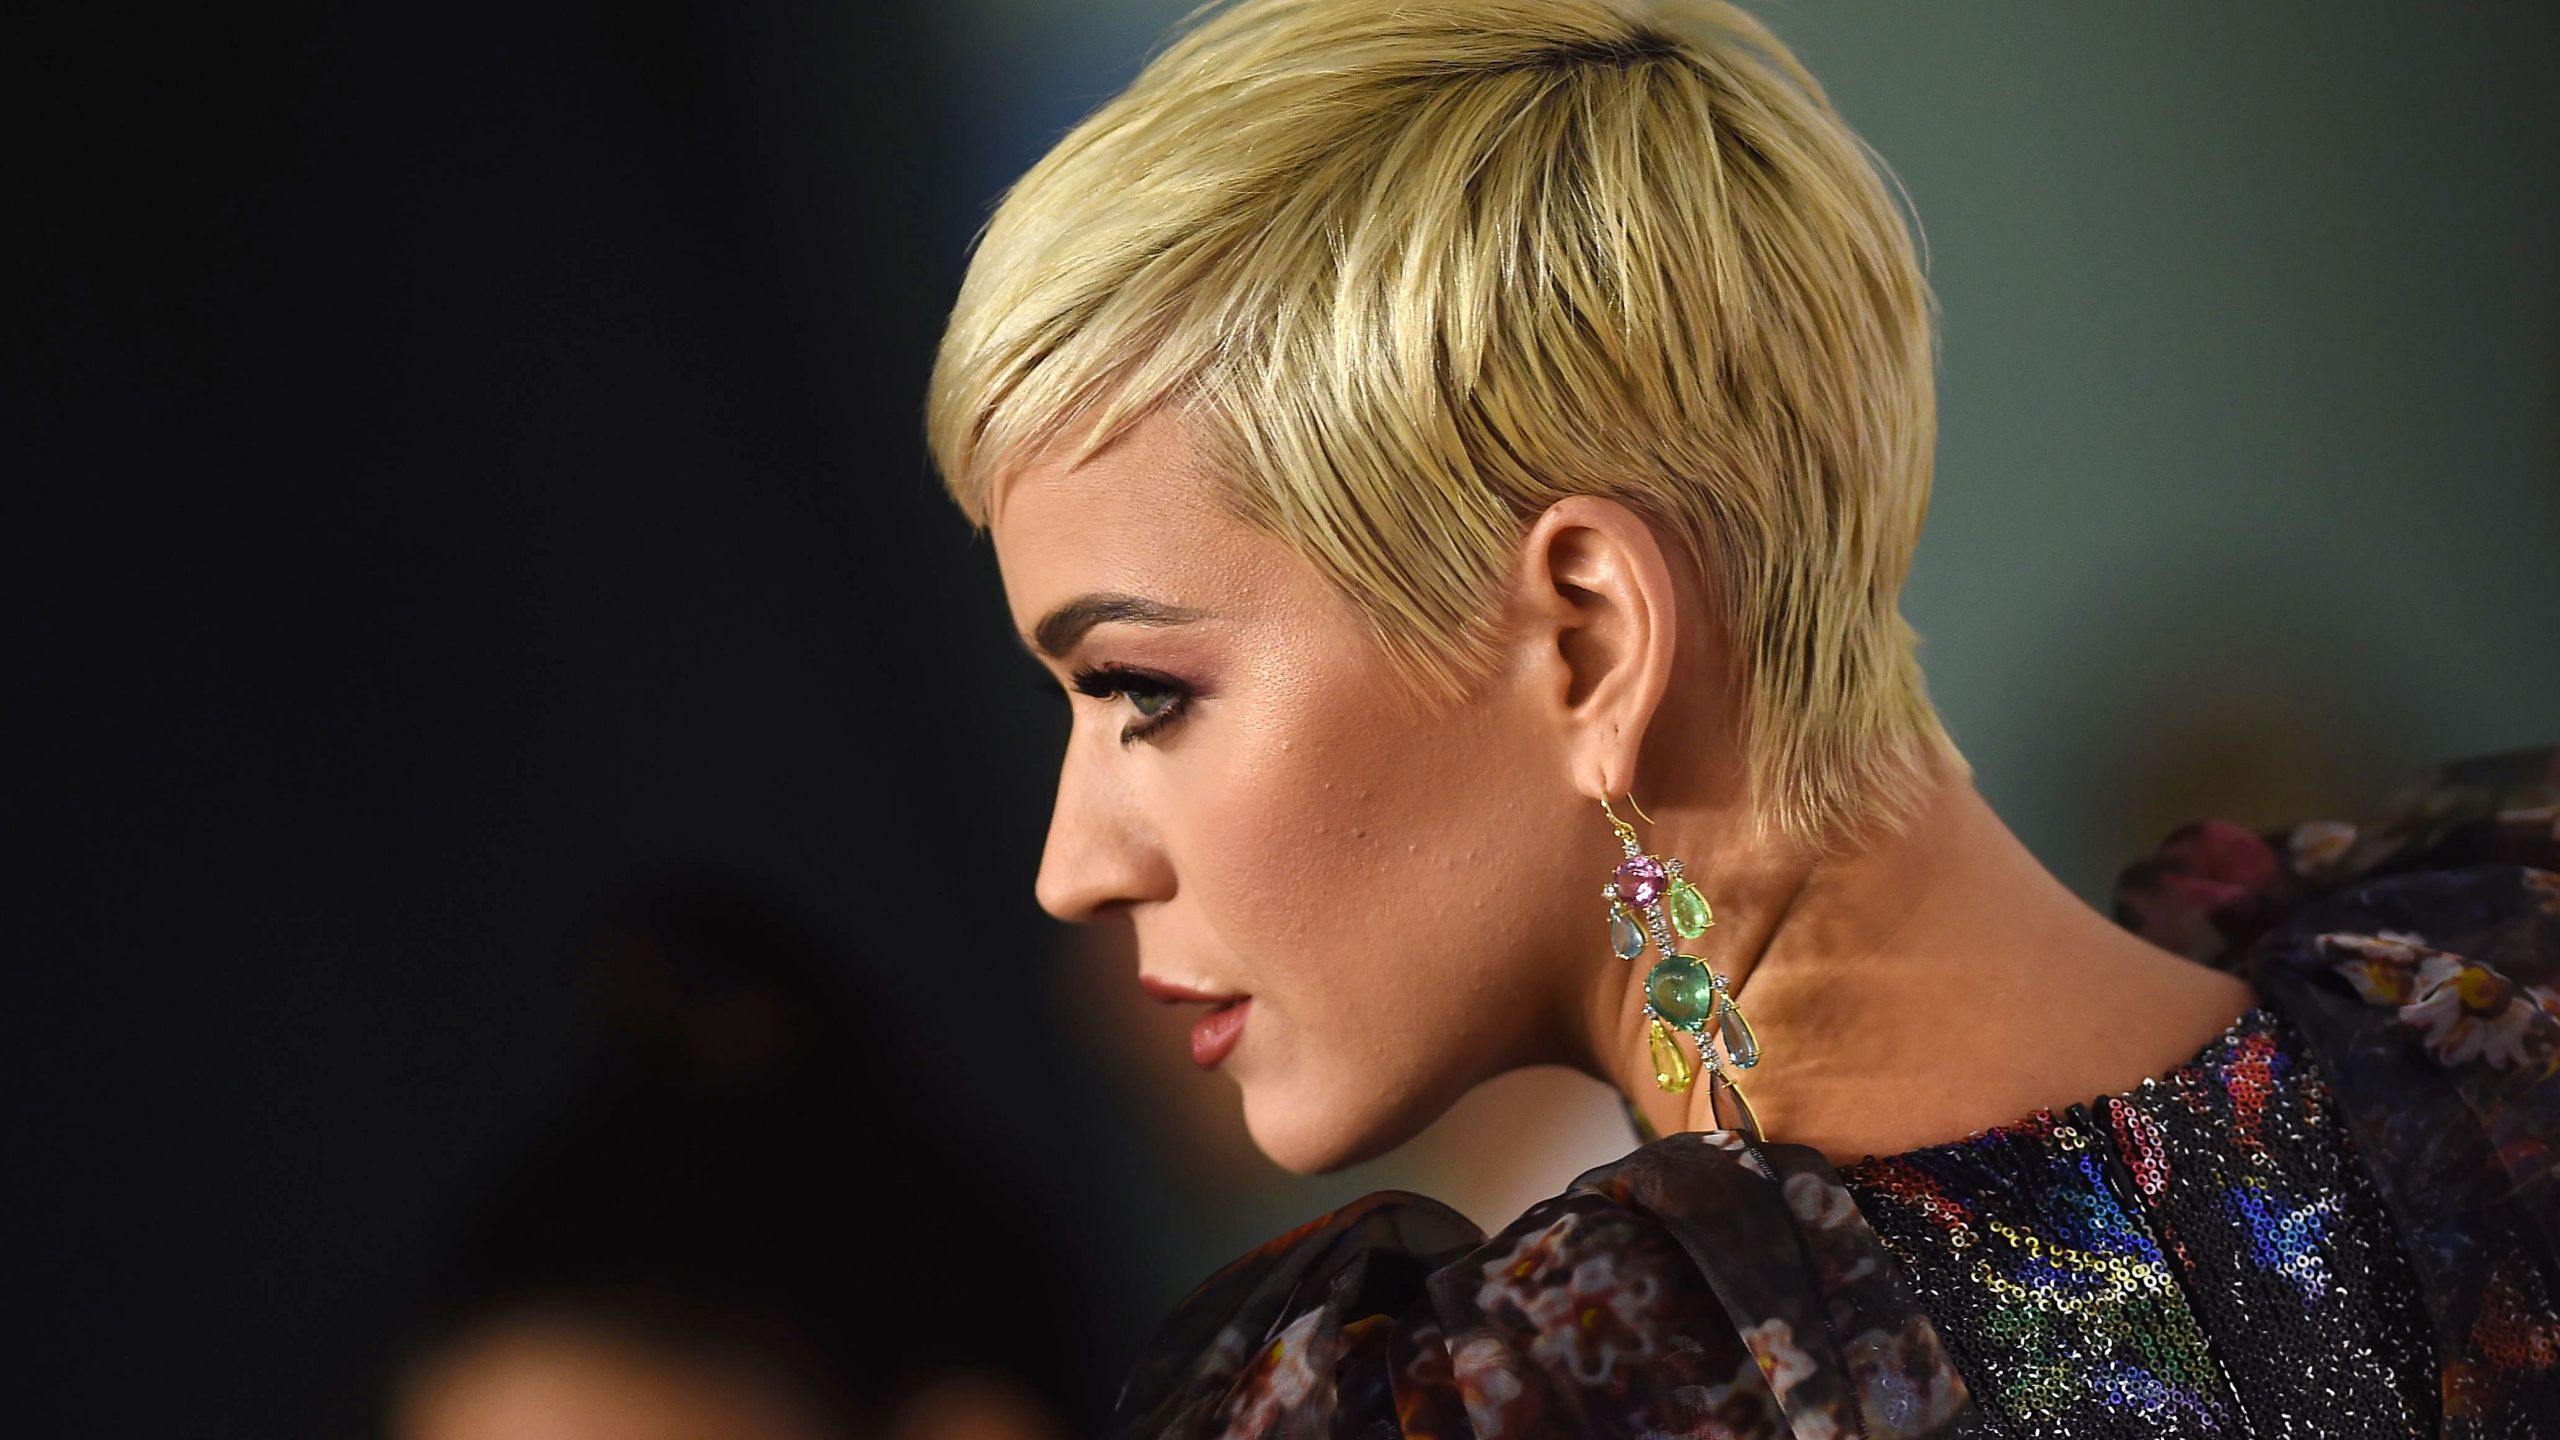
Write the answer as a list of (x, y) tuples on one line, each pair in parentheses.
[(1681, 991), (1689, 913)]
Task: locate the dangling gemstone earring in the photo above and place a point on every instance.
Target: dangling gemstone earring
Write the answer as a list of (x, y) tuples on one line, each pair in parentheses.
[(1650, 897)]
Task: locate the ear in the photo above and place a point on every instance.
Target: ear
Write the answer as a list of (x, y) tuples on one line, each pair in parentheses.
[(1599, 612)]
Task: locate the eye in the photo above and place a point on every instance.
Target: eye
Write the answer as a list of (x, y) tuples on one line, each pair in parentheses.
[(1157, 699)]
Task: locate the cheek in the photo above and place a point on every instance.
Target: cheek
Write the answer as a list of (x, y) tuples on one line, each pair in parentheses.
[(1366, 871)]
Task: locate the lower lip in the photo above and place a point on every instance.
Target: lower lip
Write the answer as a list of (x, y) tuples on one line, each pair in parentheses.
[(1216, 1033)]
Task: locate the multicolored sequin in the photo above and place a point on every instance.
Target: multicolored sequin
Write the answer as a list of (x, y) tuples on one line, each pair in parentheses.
[(2200, 1256)]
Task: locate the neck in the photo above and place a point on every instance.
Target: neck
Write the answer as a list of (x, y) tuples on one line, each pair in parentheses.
[(1914, 989)]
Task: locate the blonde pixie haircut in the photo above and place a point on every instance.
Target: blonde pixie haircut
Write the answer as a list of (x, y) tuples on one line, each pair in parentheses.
[(1413, 270)]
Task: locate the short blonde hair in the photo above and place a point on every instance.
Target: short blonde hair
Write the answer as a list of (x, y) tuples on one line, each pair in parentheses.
[(1416, 270)]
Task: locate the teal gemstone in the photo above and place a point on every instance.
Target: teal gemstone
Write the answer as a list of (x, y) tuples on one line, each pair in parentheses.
[(1739, 1042), (1624, 936), (1681, 991), (1689, 913)]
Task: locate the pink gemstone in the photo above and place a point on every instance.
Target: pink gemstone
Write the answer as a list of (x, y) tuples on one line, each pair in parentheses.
[(1640, 881)]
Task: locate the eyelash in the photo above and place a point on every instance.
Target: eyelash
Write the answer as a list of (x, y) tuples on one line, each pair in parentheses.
[(1104, 681)]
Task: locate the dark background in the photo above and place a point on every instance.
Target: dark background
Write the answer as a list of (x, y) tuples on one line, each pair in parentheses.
[(459, 459), (468, 458)]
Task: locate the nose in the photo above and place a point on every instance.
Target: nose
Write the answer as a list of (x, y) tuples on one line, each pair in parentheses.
[(1102, 850)]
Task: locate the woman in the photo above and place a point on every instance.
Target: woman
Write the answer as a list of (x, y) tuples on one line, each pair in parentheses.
[(1418, 431)]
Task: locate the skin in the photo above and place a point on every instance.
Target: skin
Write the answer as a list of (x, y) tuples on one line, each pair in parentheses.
[(1408, 890), (548, 1382), (535, 1379)]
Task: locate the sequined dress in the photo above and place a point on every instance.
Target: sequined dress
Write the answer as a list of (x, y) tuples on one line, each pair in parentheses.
[(2201, 1255), (2339, 1218)]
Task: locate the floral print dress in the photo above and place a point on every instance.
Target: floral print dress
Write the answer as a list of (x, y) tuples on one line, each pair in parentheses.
[(2342, 1217)]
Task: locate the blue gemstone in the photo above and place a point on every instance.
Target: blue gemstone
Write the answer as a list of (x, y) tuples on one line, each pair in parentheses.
[(1624, 938)]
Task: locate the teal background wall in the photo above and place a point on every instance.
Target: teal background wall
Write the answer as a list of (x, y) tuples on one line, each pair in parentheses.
[(2248, 490)]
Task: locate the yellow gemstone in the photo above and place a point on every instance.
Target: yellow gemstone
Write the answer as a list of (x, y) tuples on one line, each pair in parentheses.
[(1671, 1069)]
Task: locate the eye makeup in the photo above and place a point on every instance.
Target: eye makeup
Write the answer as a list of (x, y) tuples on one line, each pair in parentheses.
[(1158, 700)]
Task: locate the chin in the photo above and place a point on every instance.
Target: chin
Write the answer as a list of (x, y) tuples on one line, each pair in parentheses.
[(1315, 1132)]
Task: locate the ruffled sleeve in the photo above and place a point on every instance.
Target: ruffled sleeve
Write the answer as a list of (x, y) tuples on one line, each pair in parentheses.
[(1695, 1287), (2419, 956)]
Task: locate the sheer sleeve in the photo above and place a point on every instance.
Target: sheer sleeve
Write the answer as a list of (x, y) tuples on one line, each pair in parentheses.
[(1683, 1290)]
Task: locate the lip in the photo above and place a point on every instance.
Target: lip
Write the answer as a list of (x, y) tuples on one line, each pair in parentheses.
[(1213, 1034), (1216, 1033), (1165, 992)]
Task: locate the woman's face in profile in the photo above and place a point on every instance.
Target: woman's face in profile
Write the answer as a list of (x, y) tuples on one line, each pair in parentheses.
[(1363, 891)]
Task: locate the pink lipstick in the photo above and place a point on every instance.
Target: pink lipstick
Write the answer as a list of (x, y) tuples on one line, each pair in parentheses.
[(1217, 1032), (1213, 1034)]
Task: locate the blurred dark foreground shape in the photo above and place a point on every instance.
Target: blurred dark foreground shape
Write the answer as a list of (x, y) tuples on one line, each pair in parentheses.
[(747, 1224)]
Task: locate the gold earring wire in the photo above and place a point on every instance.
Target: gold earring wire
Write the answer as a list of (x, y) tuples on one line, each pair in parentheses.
[(1626, 832), (1631, 801)]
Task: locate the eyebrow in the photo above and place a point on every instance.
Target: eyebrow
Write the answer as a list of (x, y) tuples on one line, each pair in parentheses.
[(1058, 631)]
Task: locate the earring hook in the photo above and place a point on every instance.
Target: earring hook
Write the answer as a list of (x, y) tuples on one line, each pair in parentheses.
[(1625, 831)]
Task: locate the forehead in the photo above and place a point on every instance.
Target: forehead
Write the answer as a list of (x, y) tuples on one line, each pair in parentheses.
[(1143, 515)]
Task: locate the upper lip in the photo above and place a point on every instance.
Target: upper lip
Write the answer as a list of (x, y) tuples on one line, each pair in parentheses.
[(1166, 992)]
